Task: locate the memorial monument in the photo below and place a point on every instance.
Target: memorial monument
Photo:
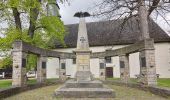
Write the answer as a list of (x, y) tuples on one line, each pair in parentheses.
[(83, 86)]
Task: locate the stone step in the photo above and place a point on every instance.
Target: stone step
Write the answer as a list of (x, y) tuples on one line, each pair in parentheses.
[(85, 93), (83, 84)]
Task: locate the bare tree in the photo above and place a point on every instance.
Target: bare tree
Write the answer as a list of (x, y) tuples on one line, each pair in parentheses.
[(118, 9)]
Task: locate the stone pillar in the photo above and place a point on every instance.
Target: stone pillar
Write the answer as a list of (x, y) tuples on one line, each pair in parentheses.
[(19, 68), (124, 68), (147, 64), (102, 68), (62, 70), (41, 69)]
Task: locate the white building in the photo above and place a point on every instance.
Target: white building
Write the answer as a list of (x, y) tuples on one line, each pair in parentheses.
[(110, 35)]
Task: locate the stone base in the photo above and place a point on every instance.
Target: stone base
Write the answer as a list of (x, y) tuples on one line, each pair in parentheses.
[(91, 89), (84, 76), (83, 84)]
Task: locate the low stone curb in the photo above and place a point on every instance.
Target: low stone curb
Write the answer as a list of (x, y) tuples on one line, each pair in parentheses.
[(15, 90), (164, 92)]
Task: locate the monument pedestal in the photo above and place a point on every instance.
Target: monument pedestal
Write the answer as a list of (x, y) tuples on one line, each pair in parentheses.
[(84, 89), (83, 86)]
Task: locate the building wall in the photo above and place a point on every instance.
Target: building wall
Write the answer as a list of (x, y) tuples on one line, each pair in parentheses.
[(162, 57)]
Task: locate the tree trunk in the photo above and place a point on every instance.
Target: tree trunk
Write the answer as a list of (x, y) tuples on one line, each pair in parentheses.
[(33, 18), (17, 19), (143, 20)]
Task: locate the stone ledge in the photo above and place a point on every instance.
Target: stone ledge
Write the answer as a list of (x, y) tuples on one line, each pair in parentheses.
[(85, 93), (90, 84)]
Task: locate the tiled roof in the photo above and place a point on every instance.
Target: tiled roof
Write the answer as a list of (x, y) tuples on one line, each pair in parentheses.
[(111, 33)]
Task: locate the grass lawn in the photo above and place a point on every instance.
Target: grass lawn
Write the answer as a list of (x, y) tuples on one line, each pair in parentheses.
[(7, 83), (122, 93), (164, 82)]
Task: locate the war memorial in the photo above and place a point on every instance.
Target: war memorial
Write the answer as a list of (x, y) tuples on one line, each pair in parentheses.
[(84, 84)]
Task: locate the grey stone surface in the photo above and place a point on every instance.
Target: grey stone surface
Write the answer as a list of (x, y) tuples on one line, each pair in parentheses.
[(83, 53), (102, 69), (84, 84), (41, 69), (62, 70), (84, 89), (124, 68), (138, 46), (19, 68), (83, 76), (148, 68)]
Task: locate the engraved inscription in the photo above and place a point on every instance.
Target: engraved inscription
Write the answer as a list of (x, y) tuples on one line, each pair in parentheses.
[(23, 62), (63, 66), (82, 39), (122, 64), (101, 65), (44, 65), (143, 62)]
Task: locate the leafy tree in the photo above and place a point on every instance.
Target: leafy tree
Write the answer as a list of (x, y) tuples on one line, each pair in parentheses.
[(27, 20)]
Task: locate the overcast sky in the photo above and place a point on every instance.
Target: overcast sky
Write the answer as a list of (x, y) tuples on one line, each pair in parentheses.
[(67, 12)]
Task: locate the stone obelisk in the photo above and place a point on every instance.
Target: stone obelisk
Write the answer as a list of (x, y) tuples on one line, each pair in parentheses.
[(82, 51), (84, 86)]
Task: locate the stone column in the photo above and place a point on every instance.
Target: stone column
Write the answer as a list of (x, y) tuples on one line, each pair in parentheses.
[(62, 70), (19, 68), (102, 68), (41, 69), (147, 64), (124, 68)]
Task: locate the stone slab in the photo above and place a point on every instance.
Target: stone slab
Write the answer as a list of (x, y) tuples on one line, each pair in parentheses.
[(85, 93), (83, 84), (84, 76)]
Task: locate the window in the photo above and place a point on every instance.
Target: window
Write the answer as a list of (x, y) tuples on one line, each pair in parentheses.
[(74, 60), (108, 59)]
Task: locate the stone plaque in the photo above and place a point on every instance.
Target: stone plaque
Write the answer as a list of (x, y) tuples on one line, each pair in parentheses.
[(24, 62), (101, 65), (143, 61), (83, 59), (63, 66), (74, 60), (122, 64), (44, 65)]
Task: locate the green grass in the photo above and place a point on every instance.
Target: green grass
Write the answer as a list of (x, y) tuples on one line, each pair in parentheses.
[(8, 83), (32, 81), (164, 82), (5, 84)]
